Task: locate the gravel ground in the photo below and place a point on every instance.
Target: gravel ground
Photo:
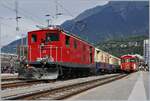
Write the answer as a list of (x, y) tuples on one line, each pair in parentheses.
[(8, 76), (40, 87), (3, 82)]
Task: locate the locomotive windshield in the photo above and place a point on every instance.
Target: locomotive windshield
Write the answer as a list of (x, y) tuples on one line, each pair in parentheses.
[(133, 60), (128, 60), (52, 37)]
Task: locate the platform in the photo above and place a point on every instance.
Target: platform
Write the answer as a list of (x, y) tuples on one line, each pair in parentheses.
[(134, 87)]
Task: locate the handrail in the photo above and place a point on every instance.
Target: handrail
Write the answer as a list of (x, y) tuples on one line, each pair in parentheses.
[(49, 47)]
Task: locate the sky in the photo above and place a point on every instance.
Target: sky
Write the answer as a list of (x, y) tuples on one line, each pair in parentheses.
[(32, 13)]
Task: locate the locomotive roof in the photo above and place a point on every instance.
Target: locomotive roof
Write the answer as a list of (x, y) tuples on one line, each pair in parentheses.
[(97, 49), (128, 56), (65, 32)]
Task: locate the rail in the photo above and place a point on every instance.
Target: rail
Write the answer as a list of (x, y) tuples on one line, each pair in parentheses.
[(22, 83), (66, 91)]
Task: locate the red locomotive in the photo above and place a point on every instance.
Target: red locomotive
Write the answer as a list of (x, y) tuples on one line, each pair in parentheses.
[(129, 63), (58, 50), (53, 53)]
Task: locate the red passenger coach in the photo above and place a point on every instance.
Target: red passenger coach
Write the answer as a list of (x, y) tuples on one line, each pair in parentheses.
[(129, 63), (54, 52)]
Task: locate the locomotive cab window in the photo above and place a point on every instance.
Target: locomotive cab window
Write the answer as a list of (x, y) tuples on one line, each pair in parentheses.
[(67, 42), (33, 38), (52, 37)]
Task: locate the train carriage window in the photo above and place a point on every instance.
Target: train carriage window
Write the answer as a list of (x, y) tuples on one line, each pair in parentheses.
[(122, 60), (67, 42), (132, 60), (52, 37), (75, 44), (127, 60), (33, 38)]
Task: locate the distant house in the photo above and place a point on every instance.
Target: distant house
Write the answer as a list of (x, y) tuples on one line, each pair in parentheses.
[(123, 45), (146, 50)]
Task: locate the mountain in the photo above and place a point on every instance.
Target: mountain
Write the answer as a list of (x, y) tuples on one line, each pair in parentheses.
[(121, 46), (11, 48), (117, 19)]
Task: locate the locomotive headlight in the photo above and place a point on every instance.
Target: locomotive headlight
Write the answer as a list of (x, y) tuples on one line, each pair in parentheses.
[(45, 62), (42, 44), (45, 59), (134, 66), (39, 59), (28, 66)]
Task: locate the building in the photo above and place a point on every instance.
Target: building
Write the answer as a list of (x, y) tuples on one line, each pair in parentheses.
[(146, 51)]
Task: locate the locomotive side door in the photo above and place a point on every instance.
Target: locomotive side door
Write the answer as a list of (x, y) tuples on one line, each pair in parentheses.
[(67, 48), (91, 55)]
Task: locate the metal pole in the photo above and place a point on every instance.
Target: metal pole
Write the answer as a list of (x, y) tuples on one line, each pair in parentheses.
[(30, 53), (0, 43), (56, 54), (0, 34), (22, 45), (47, 22), (40, 51), (56, 10), (17, 27), (51, 50), (61, 54), (48, 19)]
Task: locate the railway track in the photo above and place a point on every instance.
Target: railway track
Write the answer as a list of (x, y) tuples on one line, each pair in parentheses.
[(65, 91), (9, 79), (22, 83)]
